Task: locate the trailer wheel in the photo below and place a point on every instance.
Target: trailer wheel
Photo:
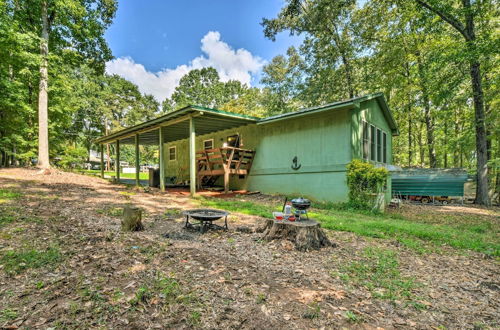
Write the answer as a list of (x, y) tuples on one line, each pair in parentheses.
[(445, 202), (424, 200)]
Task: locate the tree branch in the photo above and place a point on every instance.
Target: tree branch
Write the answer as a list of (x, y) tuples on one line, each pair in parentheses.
[(447, 18)]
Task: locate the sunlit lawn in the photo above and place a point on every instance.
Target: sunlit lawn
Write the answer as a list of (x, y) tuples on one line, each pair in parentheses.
[(142, 175), (470, 233)]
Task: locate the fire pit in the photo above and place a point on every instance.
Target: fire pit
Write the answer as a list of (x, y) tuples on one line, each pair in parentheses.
[(206, 217)]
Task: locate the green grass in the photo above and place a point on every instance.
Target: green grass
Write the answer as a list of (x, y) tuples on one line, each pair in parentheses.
[(8, 315), (15, 262), (378, 271), (473, 235), (142, 175), (111, 211), (8, 195), (13, 214)]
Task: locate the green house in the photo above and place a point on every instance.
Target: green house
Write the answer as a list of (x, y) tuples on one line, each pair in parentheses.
[(298, 153)]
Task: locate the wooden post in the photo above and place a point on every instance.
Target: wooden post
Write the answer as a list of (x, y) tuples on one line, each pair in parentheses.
[(117, 161), (102, 161), (192, 157), (162, 160), (137, 164)]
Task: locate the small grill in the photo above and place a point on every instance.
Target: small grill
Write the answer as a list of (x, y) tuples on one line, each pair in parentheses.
[(301, 205), (206, 217)]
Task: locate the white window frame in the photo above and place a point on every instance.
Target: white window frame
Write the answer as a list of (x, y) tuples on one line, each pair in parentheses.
[(170, 154), (204, 147)]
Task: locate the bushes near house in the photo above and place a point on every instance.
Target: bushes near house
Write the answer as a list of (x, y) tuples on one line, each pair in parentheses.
[(365, 181)]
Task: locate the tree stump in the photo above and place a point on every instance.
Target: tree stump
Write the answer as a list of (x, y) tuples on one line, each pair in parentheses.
[(132, 219), (305, 235)]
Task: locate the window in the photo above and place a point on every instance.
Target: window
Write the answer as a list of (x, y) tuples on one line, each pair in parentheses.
[(172, 153), (233, 141), (372, 143), (208, 144), (379, 145), (384, 153), (366, 141)]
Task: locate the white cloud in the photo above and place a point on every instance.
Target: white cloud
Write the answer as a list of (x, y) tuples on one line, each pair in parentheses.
[(231, 64)]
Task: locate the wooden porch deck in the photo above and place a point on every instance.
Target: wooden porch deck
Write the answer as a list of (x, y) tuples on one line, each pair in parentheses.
[(225, 161)]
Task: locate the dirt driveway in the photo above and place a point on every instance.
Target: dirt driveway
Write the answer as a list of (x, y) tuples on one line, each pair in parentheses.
[(94, 275)]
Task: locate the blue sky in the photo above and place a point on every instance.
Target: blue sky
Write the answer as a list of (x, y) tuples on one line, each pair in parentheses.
[(155, 42)]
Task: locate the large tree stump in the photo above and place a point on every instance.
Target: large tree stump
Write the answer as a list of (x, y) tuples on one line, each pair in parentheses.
[(305, 235), (132, 219)]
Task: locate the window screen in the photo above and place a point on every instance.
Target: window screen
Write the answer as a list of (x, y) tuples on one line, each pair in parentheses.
[(208, 144), (172, 153), (366, 141), (379, 145), (372, 143), (384, 154)]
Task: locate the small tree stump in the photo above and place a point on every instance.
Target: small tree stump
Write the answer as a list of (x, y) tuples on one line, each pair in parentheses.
[(305, 235), (132, 219)]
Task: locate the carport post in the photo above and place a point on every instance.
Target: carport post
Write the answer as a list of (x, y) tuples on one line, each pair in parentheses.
[(137, 165), (162, 160), (102, 160), (117, 161), (192, 157)]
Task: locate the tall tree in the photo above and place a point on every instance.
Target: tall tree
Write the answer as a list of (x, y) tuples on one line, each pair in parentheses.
[(203, 87), (283, 79), (76, 26), (462, 16)]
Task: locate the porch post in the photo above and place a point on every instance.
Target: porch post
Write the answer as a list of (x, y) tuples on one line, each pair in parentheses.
[(192, 157), (102, 160), (137, 165), (117, 161), (162, 160)]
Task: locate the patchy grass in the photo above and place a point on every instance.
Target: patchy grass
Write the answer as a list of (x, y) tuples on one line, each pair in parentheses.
[(8, 315), (467, 234), (111, 211), (8, 195), (12, 214), (378, 271), (15, 262)]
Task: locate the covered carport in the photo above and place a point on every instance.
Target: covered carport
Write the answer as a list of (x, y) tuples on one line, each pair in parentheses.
[(185, 123)]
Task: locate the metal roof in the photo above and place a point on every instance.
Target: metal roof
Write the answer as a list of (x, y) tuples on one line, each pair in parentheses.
[(175, 125), (340, 105)]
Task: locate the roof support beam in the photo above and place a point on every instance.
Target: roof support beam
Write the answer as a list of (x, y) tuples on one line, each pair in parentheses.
[(102, 160), (137, 164), (192, 157), (117, 161), (162, 159)]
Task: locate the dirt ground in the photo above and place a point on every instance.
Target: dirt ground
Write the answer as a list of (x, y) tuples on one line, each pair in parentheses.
[(167, 277)]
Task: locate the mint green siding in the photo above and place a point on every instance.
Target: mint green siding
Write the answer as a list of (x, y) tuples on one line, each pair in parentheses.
[(370, 112), (323, 143)]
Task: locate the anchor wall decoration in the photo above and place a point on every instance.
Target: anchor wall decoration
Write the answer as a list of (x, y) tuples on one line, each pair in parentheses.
[(295, 166)]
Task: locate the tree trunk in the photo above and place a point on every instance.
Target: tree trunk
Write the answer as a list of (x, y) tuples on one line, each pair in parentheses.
[(305, 234), (445, 144), (43, 131), (410, 150), (132, 219), (108, 165), (2, 158), (482, 196), (429, 122)]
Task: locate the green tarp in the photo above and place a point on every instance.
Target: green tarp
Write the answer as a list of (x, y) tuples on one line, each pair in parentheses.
[(429, 182)]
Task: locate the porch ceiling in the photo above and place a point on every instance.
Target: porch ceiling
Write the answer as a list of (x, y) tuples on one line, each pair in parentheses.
[(175, 126)]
